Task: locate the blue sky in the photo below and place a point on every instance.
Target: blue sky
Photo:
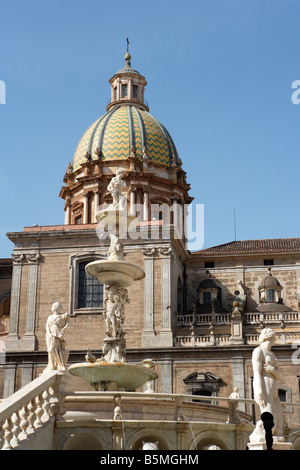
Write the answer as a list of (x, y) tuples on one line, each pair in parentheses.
[(219, 76)]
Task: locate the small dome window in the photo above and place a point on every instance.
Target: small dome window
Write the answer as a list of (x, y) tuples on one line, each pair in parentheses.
[(207, 297), (270, 289), (124, 90), (135, 91), (270, 295)]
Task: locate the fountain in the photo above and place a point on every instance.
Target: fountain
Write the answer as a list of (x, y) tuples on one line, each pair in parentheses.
[(110, 371)]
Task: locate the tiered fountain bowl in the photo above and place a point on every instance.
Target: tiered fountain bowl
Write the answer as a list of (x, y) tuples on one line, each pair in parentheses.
[(114, 271)]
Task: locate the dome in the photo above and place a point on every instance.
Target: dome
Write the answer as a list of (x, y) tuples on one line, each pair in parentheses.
[(269, 282), (112, 136)]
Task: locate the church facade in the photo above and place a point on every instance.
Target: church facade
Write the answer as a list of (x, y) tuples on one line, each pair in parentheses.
[(198, 315)]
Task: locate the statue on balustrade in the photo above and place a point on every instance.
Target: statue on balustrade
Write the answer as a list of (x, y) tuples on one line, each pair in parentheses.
[(56, 325)]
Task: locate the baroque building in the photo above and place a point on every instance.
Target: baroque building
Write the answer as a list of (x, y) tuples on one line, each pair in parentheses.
[(198, 315)]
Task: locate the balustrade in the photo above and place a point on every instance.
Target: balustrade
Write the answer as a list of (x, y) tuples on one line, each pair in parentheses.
[(24, 412)]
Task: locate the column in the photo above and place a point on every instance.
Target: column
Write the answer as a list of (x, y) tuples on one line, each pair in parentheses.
[(238, 372), (10, 378), (68, 212), (166, 302), (27, 373), (29, 340), (177, 218), (129, 90), (85, 207), (96, 203), (166, 377), (146, 205), (132, 201), (12, 338), (148, 332)]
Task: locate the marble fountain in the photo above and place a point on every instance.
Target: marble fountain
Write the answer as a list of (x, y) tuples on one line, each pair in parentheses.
[(110, 372)]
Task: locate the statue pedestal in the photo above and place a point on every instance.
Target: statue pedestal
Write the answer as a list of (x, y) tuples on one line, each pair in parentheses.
[(278, 444)]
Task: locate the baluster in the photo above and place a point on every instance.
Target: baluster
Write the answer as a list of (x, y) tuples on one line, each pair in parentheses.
[(46, 406), (1, 434), (39, 411), (16, 429), (31, 416), (8, 434), (24, 423)]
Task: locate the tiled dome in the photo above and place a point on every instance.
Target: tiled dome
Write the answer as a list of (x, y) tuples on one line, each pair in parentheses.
[(121, 128)]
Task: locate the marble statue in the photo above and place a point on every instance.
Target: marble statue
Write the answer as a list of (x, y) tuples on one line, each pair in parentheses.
[(265, 379), (150, 445), (115, 188), (116, 251), (56, 325), (114, 301), (235, 394)]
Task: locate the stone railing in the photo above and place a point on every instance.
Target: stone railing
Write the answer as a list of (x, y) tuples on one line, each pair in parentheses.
[(272, 317), (203, 319), (26, 411), (194, 341), (248, 318), (202, 340)]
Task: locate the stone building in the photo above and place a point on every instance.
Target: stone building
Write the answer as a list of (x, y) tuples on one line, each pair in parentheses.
[(198, 315)]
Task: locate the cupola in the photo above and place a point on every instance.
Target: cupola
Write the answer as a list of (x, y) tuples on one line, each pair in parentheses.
[(127, 86)]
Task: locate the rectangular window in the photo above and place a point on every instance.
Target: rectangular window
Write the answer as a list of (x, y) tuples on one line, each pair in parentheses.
[(270, 295), (268, 262), (209, 264), (115, 93), (124, 91), (90, 291), (207, 298), (282, 395), (134, 91)]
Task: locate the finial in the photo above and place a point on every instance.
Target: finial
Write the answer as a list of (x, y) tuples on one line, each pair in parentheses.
[(127, 55)]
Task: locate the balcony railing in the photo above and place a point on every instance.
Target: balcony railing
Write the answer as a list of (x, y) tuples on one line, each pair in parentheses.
[(248, 318), (203, 319), (27, 410)]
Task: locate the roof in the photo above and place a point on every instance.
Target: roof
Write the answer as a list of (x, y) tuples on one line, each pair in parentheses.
[(268, 246), (112, 136)]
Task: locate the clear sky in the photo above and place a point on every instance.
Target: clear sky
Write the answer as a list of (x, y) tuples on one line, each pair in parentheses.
[(219, 76)]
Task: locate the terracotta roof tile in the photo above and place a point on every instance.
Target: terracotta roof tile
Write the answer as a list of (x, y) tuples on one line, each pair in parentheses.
[(269, 246)]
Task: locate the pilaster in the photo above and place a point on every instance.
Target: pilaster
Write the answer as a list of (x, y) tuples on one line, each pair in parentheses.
[(13, 337)]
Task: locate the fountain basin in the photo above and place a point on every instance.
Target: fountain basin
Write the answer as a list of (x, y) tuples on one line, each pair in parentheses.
[(113, 376), (115, 272)]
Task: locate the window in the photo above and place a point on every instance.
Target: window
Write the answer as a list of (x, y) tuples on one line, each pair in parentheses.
[(270, 295), (209, 264), (203, 383), (268, 262), (206, 298), (90, 291), (204, 393), (124, 91), (78, 220), (282, 395), (135, 91), (115, 93)]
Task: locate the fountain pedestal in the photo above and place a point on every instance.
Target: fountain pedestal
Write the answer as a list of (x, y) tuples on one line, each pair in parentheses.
[(111, 372)]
